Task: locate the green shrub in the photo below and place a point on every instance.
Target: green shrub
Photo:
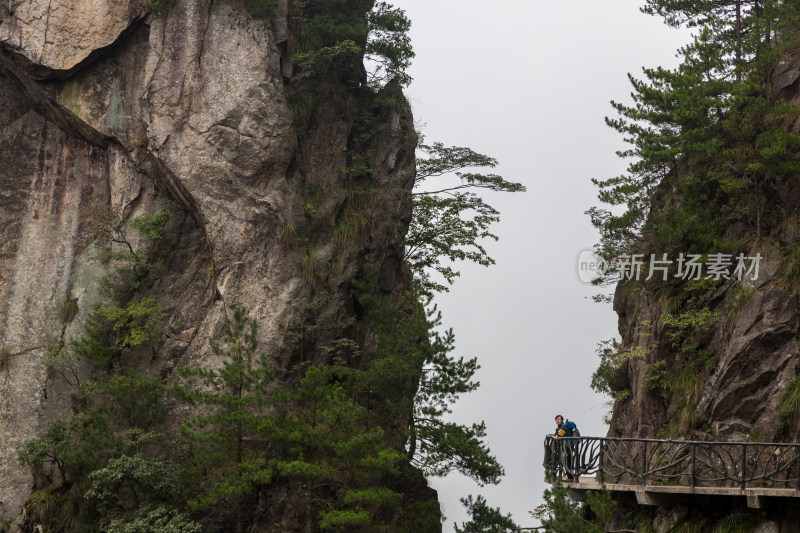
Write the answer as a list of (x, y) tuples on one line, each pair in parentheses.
[(739, 297), (789, 407), (308, 266), (736, 523), (136, 323), (289, 235), (152, 227), (55, 507), (611, 376), (683, 327), (162, 519)]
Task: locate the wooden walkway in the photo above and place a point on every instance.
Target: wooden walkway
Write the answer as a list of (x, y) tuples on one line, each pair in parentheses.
[(664, 494), (660, 471)]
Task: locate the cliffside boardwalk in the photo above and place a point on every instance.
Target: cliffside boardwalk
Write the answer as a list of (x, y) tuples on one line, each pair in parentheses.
[(657, 470)]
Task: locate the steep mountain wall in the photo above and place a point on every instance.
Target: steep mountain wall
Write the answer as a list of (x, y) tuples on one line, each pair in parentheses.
[(747, 342), (753, 337), (103, 103)]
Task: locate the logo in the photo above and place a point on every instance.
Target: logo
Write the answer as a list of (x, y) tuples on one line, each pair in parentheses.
[(688, 266), (591, 266)]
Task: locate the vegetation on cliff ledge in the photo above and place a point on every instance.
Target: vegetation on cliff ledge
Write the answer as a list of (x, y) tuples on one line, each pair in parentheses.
[(708, 140)]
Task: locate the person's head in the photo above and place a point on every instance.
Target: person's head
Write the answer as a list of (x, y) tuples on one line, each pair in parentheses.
[(559, 420)]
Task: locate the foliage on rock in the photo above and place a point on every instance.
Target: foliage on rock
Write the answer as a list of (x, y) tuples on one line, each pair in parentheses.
[(484, 519), (451, 220), (559, 514), (708, 140)]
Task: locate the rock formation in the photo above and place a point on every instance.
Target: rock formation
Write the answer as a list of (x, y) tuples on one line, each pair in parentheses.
[(103, 103), (750, 348)]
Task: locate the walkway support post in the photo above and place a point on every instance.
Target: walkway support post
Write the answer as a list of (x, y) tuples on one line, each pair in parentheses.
[(693, 475), (797, 451), (744, 465), (601, 475), (644, 463)]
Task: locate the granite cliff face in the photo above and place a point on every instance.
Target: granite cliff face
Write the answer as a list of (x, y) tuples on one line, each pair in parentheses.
[(103, 103), (748, 342), (755, 347), (753, 338)]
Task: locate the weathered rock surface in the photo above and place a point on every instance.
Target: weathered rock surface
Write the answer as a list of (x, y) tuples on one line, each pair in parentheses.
[(754, 345), (104, 104), (48, 180), (666, 519), (59, 36)]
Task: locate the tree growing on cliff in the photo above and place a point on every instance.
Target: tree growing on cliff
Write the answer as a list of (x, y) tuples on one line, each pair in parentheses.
[(732, 22), (420, 380), (744, 30), (707, 141), (361, 43), (108, 463), (451, 218), (559, 514), (388, 50), (321, 434), (227, 446)]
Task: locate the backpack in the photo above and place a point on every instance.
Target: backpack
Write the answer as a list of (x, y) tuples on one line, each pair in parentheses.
[(574, 428)]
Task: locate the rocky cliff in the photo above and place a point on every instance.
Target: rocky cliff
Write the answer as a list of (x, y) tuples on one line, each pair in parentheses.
[(751, 335), (715, 359), (105, 104)]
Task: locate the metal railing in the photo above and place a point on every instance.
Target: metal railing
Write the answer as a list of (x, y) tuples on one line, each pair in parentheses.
[(675, 462)]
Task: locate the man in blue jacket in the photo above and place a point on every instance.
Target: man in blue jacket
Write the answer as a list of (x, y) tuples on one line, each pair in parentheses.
[(564, 429)]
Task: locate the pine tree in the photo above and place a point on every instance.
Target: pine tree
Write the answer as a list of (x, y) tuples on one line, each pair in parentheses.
[(418, 380), (732, 22), (559, 514), (230, 452), (706, 138), (320, 433), (484, 519), (451, 219)]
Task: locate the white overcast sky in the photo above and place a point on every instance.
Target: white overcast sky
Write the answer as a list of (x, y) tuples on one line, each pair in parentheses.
[(529, 83)]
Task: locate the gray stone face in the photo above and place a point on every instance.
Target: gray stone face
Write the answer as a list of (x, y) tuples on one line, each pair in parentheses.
[(668, 518), (768, 526), (48, 181), (754, 344), (60, 35), (104, 104)]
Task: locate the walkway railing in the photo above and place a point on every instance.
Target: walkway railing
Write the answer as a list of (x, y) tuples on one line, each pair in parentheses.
[(675, 462)]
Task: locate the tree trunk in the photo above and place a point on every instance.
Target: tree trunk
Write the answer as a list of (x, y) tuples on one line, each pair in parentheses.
[(738, 65)]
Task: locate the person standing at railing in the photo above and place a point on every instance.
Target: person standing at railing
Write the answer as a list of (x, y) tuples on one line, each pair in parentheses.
[(564, 429)]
